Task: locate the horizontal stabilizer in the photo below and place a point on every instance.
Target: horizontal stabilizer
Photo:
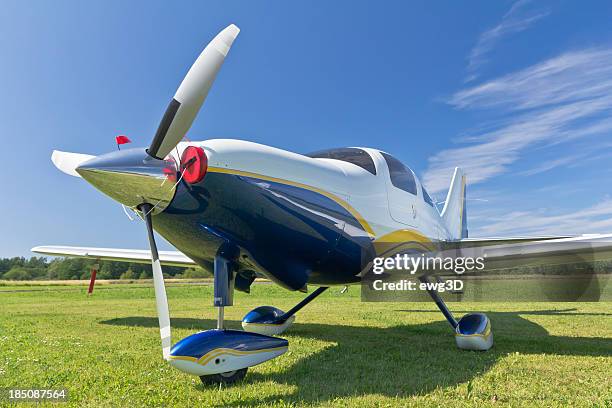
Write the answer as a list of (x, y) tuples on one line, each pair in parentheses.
[(170, 258)]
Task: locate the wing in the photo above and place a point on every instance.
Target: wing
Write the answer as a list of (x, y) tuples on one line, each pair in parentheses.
[(170, 258), (518, 252), (544, 269), (506, 240)]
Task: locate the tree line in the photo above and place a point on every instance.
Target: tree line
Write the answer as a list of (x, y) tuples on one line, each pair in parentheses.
[(41, 268)]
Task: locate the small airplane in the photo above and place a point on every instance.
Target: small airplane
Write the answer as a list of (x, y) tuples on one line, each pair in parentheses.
[(245, 210)]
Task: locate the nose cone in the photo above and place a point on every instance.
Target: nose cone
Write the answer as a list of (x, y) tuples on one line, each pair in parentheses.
[(132, 177)]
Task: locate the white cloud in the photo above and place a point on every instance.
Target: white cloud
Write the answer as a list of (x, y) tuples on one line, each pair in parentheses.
[(515, 20), (593, 153), (551, 164), (559, 100), (569, 77)]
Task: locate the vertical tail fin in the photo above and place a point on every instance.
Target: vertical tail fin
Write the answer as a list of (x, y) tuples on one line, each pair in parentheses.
[(454, 213)]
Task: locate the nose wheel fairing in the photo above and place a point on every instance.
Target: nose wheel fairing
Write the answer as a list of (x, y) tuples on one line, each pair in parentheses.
[(219, 351)]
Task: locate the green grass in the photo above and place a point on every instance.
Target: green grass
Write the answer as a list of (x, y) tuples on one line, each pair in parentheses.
[(342, 352)]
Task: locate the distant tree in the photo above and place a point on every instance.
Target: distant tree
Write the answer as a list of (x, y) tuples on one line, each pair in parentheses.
[(140, 268), (6, 264), (195, 273), (68, 268), (113, 270), (79, 268), (129, 274), (18, 273), (36, 262)]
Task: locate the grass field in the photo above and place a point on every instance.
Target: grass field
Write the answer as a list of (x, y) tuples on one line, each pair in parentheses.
[(105, 350)]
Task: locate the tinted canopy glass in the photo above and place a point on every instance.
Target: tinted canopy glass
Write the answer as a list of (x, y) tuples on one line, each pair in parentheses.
[(401, 176), (426, 196), (358, 157)]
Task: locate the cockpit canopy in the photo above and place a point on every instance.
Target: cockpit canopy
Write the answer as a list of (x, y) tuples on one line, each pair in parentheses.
[(353, 155), (401, 175)]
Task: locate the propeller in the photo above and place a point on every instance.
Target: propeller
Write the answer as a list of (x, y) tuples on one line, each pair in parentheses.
[(137, 178), (175, 123), (190, 95), (161, 301)]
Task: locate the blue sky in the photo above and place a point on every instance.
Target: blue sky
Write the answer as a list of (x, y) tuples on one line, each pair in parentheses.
[(518, 93)]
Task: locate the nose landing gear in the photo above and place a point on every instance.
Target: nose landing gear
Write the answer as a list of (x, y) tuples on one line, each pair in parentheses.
[(228, 377), (221, 355)]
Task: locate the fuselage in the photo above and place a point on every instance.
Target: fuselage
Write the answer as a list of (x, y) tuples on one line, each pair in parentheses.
[(296, 219)]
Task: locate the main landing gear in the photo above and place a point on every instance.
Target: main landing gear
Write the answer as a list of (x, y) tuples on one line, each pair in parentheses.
[(272, 321), (472, 332)]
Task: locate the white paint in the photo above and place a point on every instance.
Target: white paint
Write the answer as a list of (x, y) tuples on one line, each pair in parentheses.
[(268, 329), (195, 87), (226, 362), (161, 302), (170, 258), (68, 162), (363, 191)]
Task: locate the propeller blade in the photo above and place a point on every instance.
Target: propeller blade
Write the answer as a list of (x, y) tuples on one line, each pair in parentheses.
[(161, 301), (191, 94)]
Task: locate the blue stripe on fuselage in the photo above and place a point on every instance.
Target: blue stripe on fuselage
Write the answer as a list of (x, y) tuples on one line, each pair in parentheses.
[(290, 234)]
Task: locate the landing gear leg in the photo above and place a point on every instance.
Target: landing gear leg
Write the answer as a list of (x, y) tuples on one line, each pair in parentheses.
[(223, 284), (223, 296), (272, 321), (472, 332), (440, 303), (303, 303)]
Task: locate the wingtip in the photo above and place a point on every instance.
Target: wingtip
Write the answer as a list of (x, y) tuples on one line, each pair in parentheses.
[(55, 156), (68, 162)]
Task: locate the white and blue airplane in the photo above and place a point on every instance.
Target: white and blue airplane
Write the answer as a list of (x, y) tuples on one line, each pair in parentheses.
[(245, 210)]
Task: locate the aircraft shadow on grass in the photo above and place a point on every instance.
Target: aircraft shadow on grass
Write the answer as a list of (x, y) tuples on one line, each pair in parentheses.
[(401, 360)]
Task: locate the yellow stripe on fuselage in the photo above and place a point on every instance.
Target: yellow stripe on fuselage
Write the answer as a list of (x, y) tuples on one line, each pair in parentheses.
[(399, 236), (364, 224), (400, 240), (404, 235)]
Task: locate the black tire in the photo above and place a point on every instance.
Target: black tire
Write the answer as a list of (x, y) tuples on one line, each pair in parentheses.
[(229, 377)]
